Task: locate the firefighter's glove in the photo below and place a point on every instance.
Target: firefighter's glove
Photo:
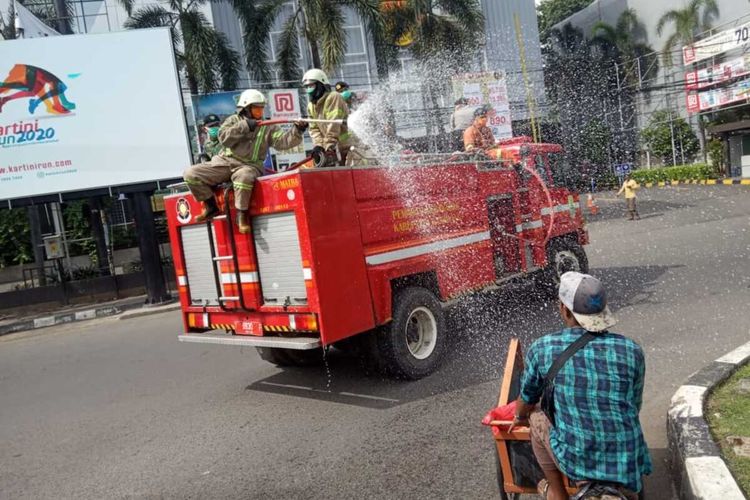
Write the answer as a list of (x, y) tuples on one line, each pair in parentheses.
[(251, 124), (301, 126)]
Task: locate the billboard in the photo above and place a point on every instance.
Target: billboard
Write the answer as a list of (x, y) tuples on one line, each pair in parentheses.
[(89, 111), (714, 98), (717, 74), (487, 89), (724, 41)]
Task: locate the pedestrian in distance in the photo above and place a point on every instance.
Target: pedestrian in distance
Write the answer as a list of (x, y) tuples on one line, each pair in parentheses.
[(245, 144), (325, 104), (210, 130), (629, 187), (479, 136), (589, 384)]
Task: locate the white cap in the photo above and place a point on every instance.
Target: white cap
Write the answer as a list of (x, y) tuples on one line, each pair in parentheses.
[(586, 298)]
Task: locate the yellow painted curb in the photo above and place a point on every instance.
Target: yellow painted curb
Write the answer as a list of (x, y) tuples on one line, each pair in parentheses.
[(745, 182), (662, 184), (649, 184), (711, 182), (674, 183), (727, 182)]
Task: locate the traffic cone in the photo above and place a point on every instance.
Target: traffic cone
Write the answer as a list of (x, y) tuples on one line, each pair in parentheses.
[(591, 205)]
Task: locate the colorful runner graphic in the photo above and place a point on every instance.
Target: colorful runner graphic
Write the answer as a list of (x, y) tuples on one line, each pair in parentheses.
[(38, 84)]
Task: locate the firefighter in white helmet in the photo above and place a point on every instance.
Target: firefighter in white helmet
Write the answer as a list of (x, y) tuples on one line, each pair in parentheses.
[(325, 104), (244, 147)]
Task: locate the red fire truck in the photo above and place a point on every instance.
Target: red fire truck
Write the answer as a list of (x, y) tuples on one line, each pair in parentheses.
[(368, 256)]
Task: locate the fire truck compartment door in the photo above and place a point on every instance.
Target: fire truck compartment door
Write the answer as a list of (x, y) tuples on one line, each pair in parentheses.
[(282, 277), (199, 265)]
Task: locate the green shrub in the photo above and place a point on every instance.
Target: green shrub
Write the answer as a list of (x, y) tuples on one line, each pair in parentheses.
[(699, 171)]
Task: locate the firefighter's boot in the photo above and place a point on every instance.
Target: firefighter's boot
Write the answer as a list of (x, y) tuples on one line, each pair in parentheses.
[(210, 210), (243, 224)]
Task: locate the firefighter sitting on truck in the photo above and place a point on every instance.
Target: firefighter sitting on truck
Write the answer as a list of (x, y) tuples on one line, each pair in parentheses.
[(479, 136), (245, 144), (325, 104)]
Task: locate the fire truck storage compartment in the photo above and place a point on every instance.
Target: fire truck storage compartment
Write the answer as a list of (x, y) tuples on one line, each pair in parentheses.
[(282, 277), (199, 263)]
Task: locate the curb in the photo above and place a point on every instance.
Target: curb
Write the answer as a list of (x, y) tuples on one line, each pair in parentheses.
[(148, 310), (698, 470), (704, 182), (134, 309)]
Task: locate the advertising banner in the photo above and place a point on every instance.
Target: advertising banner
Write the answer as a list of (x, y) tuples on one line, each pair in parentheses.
[(714, 98), (714, 75), (282, 104), (727, 40), (89, 111), (487, 89)]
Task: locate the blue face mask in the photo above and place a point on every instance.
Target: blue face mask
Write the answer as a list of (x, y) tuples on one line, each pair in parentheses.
[(310, 90), (347, 94), (213, 132)]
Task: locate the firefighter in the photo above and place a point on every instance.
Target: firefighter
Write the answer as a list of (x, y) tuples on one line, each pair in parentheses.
[(211, 146), (245, 144), (325, 104), (479, 136)]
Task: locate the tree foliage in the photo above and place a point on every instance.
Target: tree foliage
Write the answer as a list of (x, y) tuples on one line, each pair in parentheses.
[(15, 238), (625, 43), (661, 130), (206, 57), (687, 22), (552, 12)]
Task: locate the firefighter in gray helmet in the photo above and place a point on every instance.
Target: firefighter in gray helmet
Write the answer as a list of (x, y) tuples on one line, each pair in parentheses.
[(325, 104), (245, 144)]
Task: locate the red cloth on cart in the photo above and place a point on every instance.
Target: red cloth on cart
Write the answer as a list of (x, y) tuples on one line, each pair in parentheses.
[(505, 412)]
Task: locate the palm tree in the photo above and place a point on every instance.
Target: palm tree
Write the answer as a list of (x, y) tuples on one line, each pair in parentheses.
[(433, 28), (207, 58), (7, 24), (624, 43), (695, 18), (320, 22)]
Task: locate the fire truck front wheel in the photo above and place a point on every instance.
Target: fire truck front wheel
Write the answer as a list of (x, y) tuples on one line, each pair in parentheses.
[(563, 255), (412, 345)]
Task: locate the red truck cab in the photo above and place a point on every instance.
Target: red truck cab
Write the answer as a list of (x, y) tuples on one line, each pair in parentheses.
[(368, 256)]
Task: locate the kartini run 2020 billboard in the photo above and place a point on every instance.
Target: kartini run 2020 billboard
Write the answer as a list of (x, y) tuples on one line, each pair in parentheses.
[(88, 111)]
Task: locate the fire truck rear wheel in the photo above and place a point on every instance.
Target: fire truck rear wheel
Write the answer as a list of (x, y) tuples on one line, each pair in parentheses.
[(290, 357), (412, 345), (563, 255)]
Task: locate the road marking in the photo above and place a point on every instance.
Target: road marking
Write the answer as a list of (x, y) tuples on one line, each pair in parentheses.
[(349, 394)]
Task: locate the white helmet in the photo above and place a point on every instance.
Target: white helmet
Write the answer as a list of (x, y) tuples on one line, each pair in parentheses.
[(315, 75), (249, 97)]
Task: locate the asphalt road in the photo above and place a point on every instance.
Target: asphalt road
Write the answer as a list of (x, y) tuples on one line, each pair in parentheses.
[(112, 408)]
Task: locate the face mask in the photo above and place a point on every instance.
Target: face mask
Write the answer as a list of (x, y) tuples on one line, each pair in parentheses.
[(347, 94), (213, 132), (310, 90)]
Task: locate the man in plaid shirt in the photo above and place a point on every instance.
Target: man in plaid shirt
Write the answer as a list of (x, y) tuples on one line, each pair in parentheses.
[(597, 436)]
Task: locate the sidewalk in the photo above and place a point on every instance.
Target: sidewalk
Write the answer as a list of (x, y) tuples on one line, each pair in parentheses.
[(129, 308)]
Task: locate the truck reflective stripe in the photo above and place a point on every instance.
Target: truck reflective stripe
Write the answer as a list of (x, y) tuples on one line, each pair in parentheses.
[(182, 280), (427, 248), (307, 273), (534, 224), (247, 277), (560, 208)]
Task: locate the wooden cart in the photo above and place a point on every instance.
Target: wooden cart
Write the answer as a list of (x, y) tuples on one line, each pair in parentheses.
[(517, 470)]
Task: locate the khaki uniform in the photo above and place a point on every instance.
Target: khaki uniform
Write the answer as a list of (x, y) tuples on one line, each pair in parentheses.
[(329, 107), (241, 160), (478, 138), (212, 147)]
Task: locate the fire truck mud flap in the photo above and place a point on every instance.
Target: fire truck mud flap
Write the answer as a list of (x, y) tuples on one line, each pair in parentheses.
[(412, 345)]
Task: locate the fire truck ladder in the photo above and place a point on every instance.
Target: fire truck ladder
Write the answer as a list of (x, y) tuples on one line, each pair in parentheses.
[(218, 259)]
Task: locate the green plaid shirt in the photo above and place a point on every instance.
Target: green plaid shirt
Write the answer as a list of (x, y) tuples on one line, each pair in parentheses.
[(598, 394)]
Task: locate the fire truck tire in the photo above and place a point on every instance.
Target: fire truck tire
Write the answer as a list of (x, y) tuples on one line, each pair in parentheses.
[(413, 344), (290, 357), (562, 255)]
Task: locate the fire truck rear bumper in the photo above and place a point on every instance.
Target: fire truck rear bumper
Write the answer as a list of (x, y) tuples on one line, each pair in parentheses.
[(299, 343)]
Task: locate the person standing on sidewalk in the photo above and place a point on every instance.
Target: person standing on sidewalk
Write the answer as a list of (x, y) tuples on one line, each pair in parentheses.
[(629, 187)]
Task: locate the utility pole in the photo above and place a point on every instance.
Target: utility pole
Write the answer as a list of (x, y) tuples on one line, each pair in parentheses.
[(156, 288)]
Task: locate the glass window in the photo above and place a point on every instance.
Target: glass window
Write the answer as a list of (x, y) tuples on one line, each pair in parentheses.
[(354, 41)]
